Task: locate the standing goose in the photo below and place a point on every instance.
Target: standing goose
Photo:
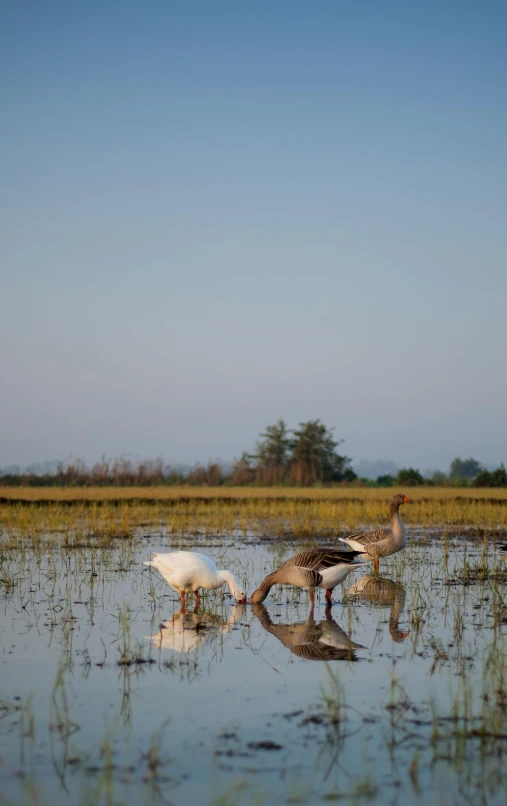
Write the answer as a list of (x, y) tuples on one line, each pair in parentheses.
[(314, 568), (382, 542), (187, 571)]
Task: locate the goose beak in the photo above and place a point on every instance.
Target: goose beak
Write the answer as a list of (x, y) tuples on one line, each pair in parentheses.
[(406, 500), (242, 601)]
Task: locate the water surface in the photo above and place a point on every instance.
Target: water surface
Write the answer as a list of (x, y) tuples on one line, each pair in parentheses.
[(110, 694)]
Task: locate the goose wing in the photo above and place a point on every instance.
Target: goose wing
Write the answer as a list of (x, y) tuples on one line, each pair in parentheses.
[(368, 538), (320, 559), (322, 652)]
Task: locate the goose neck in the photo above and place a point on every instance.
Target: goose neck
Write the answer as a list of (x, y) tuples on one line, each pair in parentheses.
[(262, 591)]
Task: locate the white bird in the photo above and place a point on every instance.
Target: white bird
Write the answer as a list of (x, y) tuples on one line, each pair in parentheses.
[(187, 571)]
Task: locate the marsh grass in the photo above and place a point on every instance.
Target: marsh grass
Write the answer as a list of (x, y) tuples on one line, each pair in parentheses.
[(102, 516)]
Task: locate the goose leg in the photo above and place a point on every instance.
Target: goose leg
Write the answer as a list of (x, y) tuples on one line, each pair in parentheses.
[(329, 593), (376, 565), (197, 598), (182, 597), (312, 606)]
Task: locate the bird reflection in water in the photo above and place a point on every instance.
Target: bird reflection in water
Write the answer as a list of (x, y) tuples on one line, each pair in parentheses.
[(311, 640), (188, 630), (381, 592), (502, 614)]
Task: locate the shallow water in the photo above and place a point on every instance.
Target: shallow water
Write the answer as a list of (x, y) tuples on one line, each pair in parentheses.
[(110, 694)]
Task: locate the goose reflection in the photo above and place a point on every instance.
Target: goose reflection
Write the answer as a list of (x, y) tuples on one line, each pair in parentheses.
[(503, 556), (311, 640), (381, 592), (188, 630)]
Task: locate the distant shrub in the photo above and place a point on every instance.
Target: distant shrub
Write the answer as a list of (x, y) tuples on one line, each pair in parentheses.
[(409, 477), (493, 478), (438, 478), (460, 482), (386, 480)]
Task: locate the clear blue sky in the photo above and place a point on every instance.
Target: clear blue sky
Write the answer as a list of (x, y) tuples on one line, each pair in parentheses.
[(216, 214)]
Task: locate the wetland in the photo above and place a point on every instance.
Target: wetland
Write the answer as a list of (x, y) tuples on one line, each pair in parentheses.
[(111, 694)]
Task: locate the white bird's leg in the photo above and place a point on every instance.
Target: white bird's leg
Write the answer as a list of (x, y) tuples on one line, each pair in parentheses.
[(197, 598), (329, 594)]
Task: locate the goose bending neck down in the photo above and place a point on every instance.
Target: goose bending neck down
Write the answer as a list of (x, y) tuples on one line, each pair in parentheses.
[(311, 569), (188, 571)]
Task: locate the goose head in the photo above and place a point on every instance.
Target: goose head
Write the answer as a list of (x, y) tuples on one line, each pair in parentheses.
[(226, 578), (399, 499)]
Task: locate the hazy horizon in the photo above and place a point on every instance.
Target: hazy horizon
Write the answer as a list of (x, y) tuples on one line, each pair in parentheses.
[(216, 216)]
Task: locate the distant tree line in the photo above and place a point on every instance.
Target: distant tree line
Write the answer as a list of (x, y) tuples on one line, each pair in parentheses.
[(304, 456), (462, 473)]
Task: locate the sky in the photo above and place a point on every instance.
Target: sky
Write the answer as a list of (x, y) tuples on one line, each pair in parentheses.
[(213, 215)]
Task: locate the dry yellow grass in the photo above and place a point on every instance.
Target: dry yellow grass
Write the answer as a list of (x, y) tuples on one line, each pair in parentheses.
[(182, 492)]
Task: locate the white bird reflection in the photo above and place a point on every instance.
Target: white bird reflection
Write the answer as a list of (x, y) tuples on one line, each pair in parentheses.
[(311, 640), (187, 630), (381, 592)]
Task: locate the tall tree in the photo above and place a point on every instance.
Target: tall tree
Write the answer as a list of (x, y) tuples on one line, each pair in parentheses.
[(409, 476), (464, 468), (313, 454), (272, 453), (242, 471)]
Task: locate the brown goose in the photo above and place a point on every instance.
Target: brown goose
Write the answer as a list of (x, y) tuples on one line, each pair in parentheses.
[(314, 568), (382, 542), (309, 640), (381, 592)]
